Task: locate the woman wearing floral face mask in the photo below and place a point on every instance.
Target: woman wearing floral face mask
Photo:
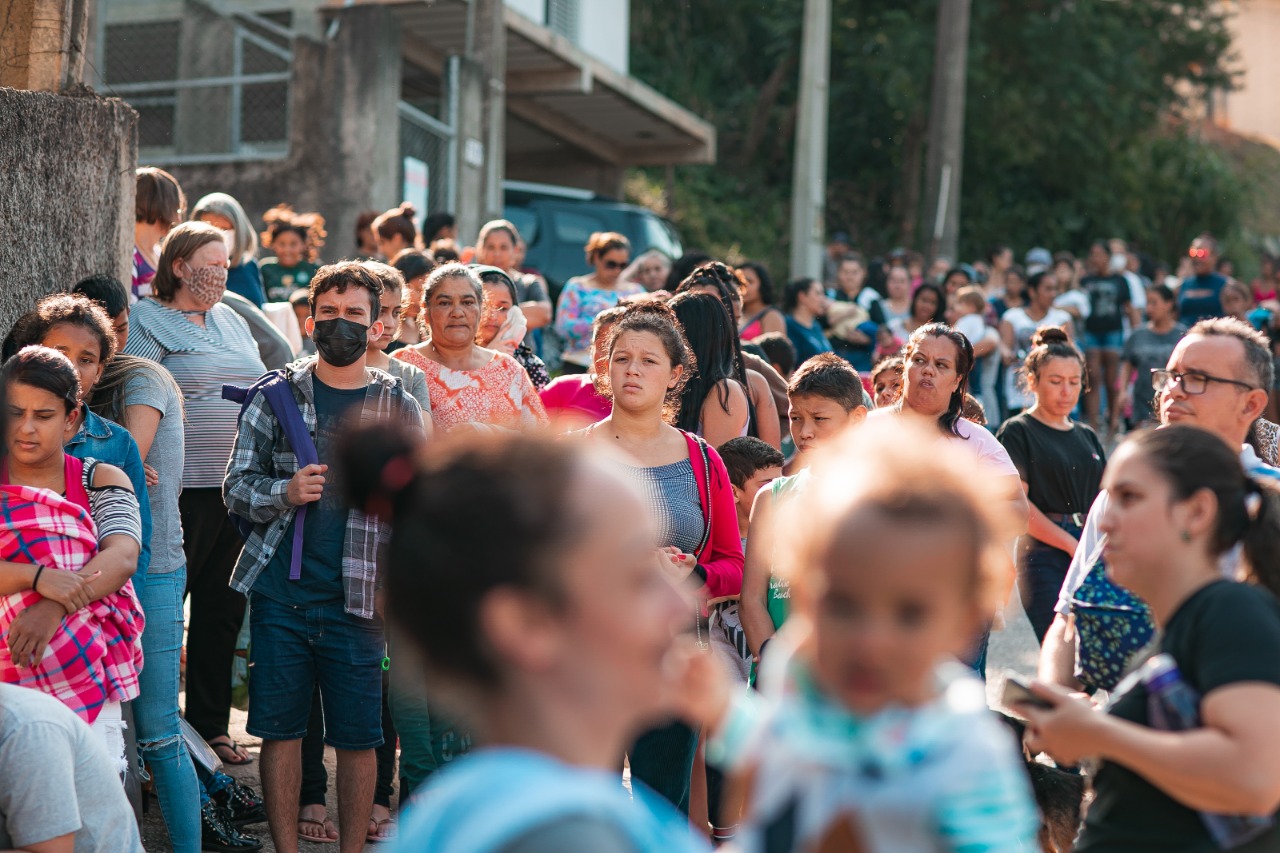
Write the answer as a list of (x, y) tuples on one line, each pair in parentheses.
[(204, 344)]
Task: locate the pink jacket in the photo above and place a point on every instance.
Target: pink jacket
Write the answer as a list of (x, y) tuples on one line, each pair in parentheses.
[(721, 553)]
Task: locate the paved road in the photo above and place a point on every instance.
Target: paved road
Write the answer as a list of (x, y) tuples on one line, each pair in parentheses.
[(1014, 648)]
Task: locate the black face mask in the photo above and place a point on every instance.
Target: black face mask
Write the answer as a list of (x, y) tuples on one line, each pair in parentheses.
[(340, 342)]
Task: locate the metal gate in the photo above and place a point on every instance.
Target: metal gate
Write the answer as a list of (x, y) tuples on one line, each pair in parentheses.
[(429, 151)]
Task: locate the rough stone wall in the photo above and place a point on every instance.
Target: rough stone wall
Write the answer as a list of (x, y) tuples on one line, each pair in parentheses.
[(66, 193)]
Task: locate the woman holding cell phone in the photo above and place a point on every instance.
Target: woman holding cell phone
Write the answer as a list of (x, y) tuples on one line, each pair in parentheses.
[(1179, 500)]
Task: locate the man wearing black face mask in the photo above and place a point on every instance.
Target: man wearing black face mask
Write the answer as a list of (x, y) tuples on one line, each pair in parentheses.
[(311, 591)]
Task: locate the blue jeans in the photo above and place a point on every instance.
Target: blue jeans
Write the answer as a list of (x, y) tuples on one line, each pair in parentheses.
[(662, 758), (1042, 569), (155, 711), (1104, 341), (295, 648)]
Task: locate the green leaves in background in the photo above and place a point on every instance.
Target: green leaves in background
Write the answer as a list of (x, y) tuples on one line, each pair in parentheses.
[(1076, 121)]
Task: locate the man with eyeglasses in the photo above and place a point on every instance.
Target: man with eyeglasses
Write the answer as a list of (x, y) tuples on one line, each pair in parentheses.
[(1200, 296), (1217, 379)]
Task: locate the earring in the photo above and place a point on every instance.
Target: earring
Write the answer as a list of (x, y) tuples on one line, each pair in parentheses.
[(1186, 535)]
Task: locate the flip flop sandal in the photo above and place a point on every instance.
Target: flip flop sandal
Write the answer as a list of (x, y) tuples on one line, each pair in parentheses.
[(323, 839), (223, 745), (378, 824)]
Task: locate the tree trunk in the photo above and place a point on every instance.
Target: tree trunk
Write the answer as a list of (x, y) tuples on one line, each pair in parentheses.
[(912, 174), (763, 111)]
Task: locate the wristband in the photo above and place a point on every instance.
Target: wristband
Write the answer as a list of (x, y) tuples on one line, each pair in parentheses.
[(35, 580)]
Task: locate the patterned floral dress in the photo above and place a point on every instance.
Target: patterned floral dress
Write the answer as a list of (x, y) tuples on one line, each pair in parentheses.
[(499, 393)]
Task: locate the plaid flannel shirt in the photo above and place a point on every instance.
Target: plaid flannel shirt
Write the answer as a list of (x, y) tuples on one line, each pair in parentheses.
[(262, 464), (96, 654)]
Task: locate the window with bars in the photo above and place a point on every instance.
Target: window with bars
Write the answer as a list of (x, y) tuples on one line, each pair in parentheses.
[(216, 89), (563, 17)]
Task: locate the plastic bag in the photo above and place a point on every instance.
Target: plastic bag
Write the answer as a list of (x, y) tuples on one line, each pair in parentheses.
[(201, 752)]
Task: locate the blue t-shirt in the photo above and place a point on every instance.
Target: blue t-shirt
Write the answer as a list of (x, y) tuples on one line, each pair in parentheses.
[(246, 280), (496, 798), (1200, 298), (324, 532), (808, 340)]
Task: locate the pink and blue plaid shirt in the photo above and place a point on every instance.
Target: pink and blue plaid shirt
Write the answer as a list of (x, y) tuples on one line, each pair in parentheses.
[(96, 654)]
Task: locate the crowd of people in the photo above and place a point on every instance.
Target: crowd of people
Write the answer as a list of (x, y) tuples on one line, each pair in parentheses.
[(514, 544)]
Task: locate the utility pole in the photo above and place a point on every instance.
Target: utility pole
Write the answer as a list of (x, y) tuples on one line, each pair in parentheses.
[(809, 175), (946, 130)]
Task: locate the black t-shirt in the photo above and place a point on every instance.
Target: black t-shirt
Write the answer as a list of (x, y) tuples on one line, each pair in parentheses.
[(1108, 298), (1226, 633), (1062, 468)]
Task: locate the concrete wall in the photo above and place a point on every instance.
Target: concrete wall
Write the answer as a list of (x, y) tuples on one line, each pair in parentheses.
[(66, 210), (343, 143), (1255, 29), (604, 31), (534, 10), (604, 28)]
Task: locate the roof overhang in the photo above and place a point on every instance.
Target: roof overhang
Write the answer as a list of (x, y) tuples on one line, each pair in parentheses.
[(562, 91)]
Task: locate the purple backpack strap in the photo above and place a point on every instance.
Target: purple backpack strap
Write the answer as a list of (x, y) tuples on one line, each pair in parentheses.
[(286, 410), (275, 387)]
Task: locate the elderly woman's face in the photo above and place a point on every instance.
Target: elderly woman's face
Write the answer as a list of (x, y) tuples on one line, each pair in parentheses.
[(652, 274), (932, 376), (498, 249), (213, 254), (497, 305), (453, 312)]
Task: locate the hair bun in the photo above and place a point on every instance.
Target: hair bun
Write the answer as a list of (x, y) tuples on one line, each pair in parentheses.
[(406, 210), (1050, 335)]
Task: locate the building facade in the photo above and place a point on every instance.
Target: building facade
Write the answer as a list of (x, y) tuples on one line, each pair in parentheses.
[(339, 106)]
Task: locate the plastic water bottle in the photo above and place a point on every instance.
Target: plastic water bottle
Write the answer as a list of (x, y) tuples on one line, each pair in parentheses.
[(1173, 706)]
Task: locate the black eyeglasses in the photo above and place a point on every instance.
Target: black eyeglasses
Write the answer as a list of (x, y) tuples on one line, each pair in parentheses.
[(615, 265), (1192, 383)]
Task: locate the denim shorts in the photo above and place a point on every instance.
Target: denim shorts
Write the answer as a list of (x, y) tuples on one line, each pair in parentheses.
[(1104, 340), (293, 649)]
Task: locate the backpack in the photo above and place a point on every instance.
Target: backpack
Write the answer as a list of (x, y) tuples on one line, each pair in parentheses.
[(274, 385)]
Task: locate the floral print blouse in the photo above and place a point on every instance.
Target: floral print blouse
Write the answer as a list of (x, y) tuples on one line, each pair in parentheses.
[(499, 394)]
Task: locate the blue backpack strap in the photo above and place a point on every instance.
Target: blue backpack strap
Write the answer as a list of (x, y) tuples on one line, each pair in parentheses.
[(274, 386)]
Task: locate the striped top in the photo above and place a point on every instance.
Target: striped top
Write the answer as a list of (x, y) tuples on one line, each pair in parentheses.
[(671, 494), (201, 359), (114, 509)]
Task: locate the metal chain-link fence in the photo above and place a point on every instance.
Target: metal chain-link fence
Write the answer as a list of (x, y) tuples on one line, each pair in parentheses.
[(426, 140), (204, 88)]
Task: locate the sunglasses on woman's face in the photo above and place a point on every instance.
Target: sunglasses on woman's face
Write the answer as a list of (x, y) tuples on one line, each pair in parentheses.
[(615, 265)]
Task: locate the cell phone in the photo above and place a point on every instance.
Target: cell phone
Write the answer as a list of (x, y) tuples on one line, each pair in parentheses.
[(1017, 690)]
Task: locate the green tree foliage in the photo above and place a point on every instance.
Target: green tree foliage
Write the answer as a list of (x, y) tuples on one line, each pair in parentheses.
[(1072, 117)]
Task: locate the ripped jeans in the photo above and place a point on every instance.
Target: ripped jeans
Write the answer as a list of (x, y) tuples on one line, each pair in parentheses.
[(155, 710)]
